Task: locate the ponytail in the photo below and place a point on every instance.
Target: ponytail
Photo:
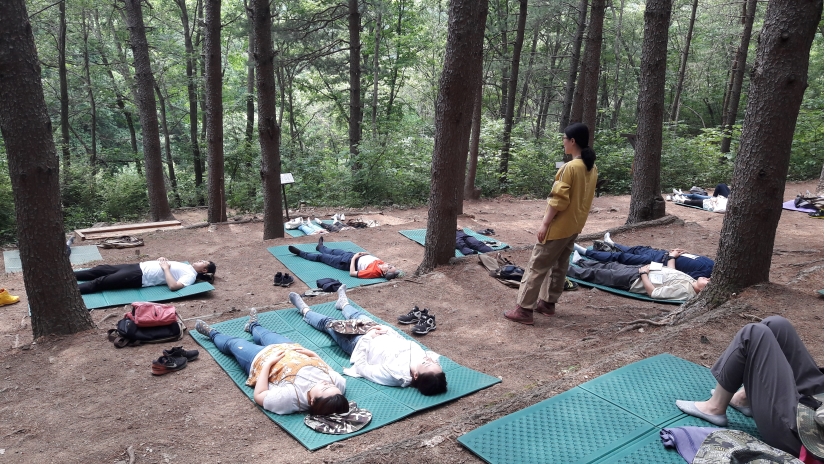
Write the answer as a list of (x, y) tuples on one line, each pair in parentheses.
[(589, 156), (581, 135)]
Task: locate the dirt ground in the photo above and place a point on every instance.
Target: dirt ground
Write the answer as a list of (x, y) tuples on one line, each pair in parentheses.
[(78, 399)]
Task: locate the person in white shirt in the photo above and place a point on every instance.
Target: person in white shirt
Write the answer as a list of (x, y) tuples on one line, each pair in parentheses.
[(174, 274), (381, 355)]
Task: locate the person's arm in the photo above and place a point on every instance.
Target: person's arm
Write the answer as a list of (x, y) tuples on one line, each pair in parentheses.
[(353, 271), (308, 353), (672, 257), (262, 383), (542, 232), (170, 281), (646, 282)]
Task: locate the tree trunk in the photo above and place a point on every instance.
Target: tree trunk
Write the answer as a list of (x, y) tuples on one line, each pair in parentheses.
[(217, 211), (567, 102), (269, 132), (511, 100), (123, 69), (458, 85), (646, 201), (504, 12), (675, 105), (192, 94), (819, 190), (170, 165), (471, 192), (778, 82), (54, 299), (64, 94), (375, 106), (617, 95), (526, 82), (250, 88), (145, 82), (738, 71), (93, 113), (590, 67), (354, 123)]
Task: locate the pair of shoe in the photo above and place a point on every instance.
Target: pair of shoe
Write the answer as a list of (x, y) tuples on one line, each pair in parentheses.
[(424, 321), (817, 214), (486, 232), (338, 217), (6, 298), (173, 360), (284, 280), (677, 191)]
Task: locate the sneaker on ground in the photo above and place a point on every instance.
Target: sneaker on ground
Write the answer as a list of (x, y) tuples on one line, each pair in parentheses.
[(167, 364), (426, 324), (287, 280), (413, 316), (180, 352)]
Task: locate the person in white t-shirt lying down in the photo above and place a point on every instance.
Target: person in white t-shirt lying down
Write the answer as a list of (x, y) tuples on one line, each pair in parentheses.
[(174, 274), (664, 283), (380, 355)]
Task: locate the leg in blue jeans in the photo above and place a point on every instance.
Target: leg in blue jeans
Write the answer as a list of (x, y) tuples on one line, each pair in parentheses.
[(695, 196), (332, 257), (243, 350), (346, 342)]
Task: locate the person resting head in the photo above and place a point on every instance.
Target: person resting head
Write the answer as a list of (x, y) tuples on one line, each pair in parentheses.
[(325, 399), (429, 378)]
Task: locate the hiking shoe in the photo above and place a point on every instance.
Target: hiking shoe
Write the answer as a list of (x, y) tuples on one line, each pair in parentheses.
[(180, 352), (252, 320), (167, 364), (543, 307), (413, 316), (570, 285), (294, 250), (520, 315), (277, 279), (426, 324), (287, 280), (203, 328), (320, 243), (6, 298)]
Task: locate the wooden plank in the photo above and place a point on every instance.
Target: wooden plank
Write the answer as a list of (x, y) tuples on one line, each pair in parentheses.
[(125, 229)]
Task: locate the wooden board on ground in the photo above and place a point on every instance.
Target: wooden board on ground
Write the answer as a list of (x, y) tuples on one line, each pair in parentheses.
[(125, 229)]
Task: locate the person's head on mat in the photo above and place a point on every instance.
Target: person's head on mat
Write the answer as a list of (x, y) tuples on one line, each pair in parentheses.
[(428, 377), (325, 399), (205, 269), (389, 272), (700, 284)]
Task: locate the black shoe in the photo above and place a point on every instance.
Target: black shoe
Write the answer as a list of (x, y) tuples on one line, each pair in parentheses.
[(569, 285), (167, 364), (287, 280), (413, 316), (320, 243), (180, 352), (425, 325), (294, 250), (277, 279)]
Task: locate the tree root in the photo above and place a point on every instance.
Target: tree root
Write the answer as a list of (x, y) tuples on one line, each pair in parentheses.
[(804, 273), (646, 321), (105, 318), (665, 220)]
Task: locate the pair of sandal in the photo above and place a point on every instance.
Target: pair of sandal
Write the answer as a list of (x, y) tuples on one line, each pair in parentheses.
[(284, 280)]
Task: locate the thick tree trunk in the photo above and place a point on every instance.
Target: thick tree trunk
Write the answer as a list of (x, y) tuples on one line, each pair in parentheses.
[(192, 94), (738, 71), (675, 105), (269, 132), (354, 123), (217, 211), (504, 13), (646, 201), (471, 192), (64, 94), (778, 82), (511, 100), (250, 88), (123, 69), (458, 85), (170, 165), (526, 82), (54, 299), (158, 203), (375, 105), (568, 109), (590, 67), (819, 190), (93, 113)]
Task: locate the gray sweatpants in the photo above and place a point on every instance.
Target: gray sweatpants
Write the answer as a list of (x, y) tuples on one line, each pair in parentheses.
[(773, 365), (610, 274)]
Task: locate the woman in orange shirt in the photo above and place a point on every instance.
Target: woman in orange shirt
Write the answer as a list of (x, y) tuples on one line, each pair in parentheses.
[(362, 264)]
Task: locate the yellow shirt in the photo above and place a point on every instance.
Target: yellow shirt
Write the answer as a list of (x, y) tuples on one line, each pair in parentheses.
[(571, 195)]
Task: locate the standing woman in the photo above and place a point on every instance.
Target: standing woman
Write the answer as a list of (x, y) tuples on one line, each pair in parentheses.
[(565, 216)]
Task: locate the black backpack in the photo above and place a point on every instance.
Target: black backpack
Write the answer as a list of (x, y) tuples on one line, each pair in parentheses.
[(129, 334)]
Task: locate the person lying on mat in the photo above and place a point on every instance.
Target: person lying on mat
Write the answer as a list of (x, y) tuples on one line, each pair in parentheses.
[(777, 373), (469, 245), (287, 377), (362, 264), (174, 274), (606, 251), (669, 284), (380, 355)]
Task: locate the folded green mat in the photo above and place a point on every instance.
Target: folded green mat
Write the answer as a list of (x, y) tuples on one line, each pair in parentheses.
[(418, 236), (388, 404), (80, 255), (638, 296), (130, 295), (299, 233), (310, 271), (615, 418)]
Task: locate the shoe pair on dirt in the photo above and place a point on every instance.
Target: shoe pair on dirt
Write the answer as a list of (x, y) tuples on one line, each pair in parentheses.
[(424, 322), (525, 316), (284, 280), (173, 360)]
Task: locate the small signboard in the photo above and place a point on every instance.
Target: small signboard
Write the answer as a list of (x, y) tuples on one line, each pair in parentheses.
[(287, 178), (559, 164)]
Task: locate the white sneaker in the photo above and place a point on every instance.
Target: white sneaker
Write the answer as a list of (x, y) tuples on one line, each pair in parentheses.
[(607, 239), (675, 191), (577, 257), (668, 198)]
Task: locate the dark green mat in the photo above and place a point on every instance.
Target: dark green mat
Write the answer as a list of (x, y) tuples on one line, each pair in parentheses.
[(638, 296), (615, 418), (310, 271), (388, 404), (692, 206), (418, 236), (80, 255), (299, 233), (156, 293)]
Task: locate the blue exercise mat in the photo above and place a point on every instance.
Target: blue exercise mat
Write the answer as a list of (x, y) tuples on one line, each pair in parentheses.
[(80, 255), (299, 233), (388, 404), (418, 236), (310, 271), (615, 418)]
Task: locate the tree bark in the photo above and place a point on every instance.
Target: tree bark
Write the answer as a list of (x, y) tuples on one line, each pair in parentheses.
[(354, 123), (217, 211), (93, 113), (567, 102), (64, 94), (192, 94), (504, 12), (511, 95), (675, 105), (269, 132), (471, 192), (646, 201), (590, 67), (54, 298), (123, 69), (144, 80), (170, 165), (375, 106), (526, 82), (738, 71), (778, 82), (819, 190), (458, 84)]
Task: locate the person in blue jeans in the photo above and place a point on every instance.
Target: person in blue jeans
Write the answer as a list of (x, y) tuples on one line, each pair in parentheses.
[(722, 190), (694, 265), (381, 355), (287, 377)]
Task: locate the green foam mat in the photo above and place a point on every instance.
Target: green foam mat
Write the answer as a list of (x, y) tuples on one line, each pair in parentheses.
[(615, 418), (638, 296), (692, 206), (157, 293), (418, 236), (388, 404), (80, 255), (310, 271), (299, 233)]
